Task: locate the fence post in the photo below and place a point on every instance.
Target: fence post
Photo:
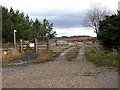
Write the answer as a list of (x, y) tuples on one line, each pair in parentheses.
[(49, 45), (67, 42), (36, 48), (21, 46), (56, 43)]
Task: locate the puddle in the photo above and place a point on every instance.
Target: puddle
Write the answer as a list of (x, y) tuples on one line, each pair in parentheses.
[(0, 69), (20, 61), (108, 80), (81, 54), (61, 56), (66, 51), (28, 57)]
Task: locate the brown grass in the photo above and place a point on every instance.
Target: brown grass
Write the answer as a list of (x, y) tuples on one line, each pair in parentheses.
[(11, 55), (45, 55), (72, 54)]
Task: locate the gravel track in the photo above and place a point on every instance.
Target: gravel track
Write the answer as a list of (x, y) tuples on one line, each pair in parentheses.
[(61, 73)]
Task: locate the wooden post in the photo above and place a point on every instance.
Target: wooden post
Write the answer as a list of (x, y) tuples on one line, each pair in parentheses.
[(56, 43), (21, 46), (49, 45), (67, 42), (36, 48)]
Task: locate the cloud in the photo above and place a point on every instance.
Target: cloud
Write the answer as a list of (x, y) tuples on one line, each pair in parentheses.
[(61, 19)]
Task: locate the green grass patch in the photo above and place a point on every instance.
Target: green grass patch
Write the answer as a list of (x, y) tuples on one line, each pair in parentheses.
[(101, 57)]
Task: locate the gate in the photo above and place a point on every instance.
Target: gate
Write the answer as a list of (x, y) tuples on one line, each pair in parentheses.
[(28, 45), (34, 45)]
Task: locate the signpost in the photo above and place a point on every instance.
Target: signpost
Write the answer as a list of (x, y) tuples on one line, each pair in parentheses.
[(15, 47)]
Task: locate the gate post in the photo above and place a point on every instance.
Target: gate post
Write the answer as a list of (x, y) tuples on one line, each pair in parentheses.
[(36, 45), (21, 46), (49, 45), (56, 43), (67, 42)]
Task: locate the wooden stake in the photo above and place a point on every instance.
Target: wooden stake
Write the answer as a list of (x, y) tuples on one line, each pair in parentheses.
[(36, 48), (49, 45)]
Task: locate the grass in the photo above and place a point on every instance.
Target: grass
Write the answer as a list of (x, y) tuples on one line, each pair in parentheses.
[(101, 57), (43, 55), (11, 55), (72, 54), (61, 48)]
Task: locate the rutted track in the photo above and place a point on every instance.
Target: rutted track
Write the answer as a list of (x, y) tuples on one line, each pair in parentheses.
[(61, 73)]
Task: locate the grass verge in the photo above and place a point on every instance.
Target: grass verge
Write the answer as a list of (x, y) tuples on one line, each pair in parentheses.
[(101, 57), (11, 55)]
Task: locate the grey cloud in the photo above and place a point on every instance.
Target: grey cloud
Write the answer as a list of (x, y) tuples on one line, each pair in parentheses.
[(61, 19), (68, 20)]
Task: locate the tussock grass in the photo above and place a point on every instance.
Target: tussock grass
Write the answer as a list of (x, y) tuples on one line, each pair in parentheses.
[(45, 55), (72, 54), (101, 57), (11, 55)]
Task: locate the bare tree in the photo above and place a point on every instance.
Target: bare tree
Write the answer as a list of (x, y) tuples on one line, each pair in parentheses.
[(94, 15)]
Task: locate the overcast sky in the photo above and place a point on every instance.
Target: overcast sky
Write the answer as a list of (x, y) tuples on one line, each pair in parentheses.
[(66, 15)]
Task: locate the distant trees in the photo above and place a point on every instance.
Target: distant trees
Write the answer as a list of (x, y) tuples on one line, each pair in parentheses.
[(94, 15), (26, 28), (109, 32)]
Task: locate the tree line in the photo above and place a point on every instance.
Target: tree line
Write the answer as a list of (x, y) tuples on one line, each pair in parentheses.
[(27, 29)]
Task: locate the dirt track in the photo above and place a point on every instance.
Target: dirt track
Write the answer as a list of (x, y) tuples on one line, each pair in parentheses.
[(61, 74)]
